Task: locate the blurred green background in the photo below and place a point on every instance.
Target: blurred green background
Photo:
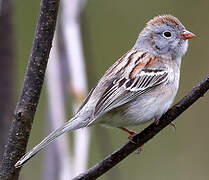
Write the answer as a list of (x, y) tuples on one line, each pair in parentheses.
[(109, 29)]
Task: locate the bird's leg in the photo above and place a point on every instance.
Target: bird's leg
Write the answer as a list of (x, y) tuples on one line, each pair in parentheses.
[(171, 124), (131, 133), (130, 138)]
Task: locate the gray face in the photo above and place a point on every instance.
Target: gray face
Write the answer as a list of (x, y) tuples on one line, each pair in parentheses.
[(163, 40)]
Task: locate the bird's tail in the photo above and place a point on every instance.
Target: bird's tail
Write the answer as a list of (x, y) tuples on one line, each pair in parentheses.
[(74, 123)]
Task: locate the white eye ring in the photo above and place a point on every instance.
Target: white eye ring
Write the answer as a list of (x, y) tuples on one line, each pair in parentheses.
[(167, 34)]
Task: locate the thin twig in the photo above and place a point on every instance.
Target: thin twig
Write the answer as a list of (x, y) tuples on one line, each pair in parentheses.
[(30, 93), (148, 133)]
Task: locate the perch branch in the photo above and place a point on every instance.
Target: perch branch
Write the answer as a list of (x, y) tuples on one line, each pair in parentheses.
[(148, 133), (30, 93)]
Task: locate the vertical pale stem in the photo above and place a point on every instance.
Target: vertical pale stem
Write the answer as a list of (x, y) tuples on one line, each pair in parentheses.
[(57, 111), (72, 37)]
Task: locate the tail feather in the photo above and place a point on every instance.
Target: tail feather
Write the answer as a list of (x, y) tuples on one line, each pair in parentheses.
[(74, 123)]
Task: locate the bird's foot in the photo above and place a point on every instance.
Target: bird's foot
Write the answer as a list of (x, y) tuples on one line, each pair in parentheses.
[(131, 133), (130, 138), (171, 124)]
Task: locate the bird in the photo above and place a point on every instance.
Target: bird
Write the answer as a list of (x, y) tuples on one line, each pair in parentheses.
[(139, 87)]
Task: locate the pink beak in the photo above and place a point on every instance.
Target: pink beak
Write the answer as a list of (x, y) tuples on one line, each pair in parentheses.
[(187, 35)]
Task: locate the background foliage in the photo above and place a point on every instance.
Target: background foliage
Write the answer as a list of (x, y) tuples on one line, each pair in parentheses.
[(110, 29)]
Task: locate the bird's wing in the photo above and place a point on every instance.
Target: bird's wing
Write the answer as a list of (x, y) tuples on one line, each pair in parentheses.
[(125, 90), (130, 77)]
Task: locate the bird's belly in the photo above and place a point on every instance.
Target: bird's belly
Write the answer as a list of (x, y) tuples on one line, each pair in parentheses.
[(141, 110), (145, 110)]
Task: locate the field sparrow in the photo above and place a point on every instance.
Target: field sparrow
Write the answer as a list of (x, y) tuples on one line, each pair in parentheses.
[(138, 87)]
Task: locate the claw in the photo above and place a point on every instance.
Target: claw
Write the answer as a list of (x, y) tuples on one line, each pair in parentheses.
[(156, 121), (130, 138), (139, 150), (174, 126)]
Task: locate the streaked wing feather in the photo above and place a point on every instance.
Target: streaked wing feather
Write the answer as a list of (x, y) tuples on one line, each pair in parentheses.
[(120, 94)]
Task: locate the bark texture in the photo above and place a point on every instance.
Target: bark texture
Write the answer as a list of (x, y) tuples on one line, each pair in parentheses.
[(30, 93)]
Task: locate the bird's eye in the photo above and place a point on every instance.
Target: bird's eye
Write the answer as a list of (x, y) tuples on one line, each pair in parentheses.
[(167, 34)]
